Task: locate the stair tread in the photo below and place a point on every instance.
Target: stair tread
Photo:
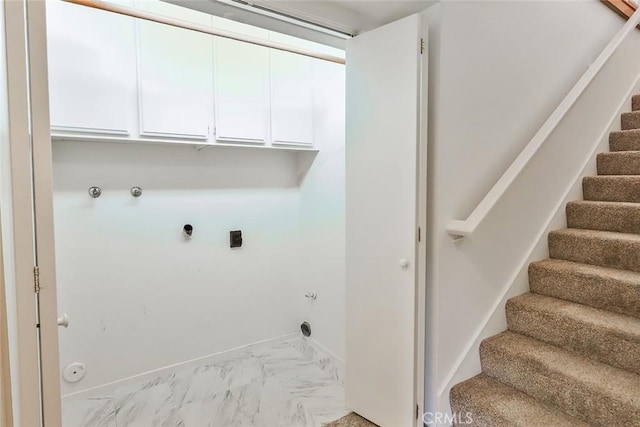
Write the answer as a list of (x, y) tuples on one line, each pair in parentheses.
[(634, 178), (612, 188), (605, 203), (624, 140), (597, 234), (602, 335), (619, 324), (581, 387), (605, 248), (631, 277), (621, 153), (631, 120), (617, 383), (621, 217), (492, 403), (626, 132), (601, 287), (619, 163)]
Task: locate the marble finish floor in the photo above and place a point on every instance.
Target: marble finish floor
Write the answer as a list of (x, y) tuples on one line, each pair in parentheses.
[(288, 384)]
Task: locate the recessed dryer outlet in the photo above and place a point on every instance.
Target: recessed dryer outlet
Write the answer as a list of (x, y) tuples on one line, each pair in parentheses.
[(74, 372)]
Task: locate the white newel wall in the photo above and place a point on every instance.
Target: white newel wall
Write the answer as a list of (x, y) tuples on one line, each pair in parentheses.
[(498, 70)]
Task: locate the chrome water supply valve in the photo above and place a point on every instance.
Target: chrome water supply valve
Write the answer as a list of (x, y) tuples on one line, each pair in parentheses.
[(95, 192), (136, 191)]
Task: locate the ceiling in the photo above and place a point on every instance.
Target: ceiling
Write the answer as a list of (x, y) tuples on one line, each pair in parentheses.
[(347, 16), (354, 16)]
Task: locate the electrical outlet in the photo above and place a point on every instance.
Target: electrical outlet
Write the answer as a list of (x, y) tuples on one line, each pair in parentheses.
[(235, 238)]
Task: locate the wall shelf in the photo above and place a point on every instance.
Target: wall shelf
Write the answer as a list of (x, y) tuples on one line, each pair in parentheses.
[(199, 144)]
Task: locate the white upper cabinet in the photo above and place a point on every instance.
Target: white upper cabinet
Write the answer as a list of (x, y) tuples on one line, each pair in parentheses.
[(92, 72), (241, 86), (292, 89), (175, 75), (112, 77)]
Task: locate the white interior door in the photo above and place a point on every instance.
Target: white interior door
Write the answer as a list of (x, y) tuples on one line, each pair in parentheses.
[(383, 93)]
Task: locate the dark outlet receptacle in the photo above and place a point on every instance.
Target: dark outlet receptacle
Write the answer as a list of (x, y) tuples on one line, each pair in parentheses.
[(235, 238)]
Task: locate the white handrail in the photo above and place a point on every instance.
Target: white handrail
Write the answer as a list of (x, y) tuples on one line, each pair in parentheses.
[(459, 228)]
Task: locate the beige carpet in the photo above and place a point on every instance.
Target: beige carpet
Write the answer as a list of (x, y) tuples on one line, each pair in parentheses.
[(570, 355), (351, 420)]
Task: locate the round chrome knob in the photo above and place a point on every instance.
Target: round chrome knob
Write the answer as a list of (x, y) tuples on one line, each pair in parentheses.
[(95, 192), (136, 191)]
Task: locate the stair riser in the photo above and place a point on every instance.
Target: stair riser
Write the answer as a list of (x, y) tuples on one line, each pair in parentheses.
[(597, 342), (635, 103), (581, 400), (631, 120), (624, 141), (619, 163), (611, 189), (624, 255), (607, 294), (620, 218)]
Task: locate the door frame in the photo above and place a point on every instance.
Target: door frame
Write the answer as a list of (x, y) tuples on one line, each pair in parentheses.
[(43, 213), (6, 406), (421, 215), (30, 221)]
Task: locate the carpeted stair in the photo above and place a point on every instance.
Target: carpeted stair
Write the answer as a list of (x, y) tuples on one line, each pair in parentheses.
[(571, 356)]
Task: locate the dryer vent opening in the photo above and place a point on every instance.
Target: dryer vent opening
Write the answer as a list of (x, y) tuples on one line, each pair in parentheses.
[(306, 329)]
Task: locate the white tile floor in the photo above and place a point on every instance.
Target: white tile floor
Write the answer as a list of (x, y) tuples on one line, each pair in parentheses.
[(288, 384)]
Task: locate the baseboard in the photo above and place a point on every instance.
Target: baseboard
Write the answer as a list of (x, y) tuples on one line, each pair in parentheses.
[(108, 388)]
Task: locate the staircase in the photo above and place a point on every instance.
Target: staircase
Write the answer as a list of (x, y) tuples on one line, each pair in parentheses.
[(571, 355)]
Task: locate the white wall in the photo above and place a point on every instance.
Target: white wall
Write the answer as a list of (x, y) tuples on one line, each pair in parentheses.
[(322, 204), (141, 297), (498, 69)]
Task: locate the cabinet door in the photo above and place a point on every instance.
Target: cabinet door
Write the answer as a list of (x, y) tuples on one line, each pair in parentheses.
[(292, 87), (241, 86), (175, 75), (91, 69)]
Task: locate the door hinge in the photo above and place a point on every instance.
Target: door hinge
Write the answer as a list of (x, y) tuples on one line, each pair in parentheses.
[(419, 234), (36, 279), (417, 412), (421, 46)]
